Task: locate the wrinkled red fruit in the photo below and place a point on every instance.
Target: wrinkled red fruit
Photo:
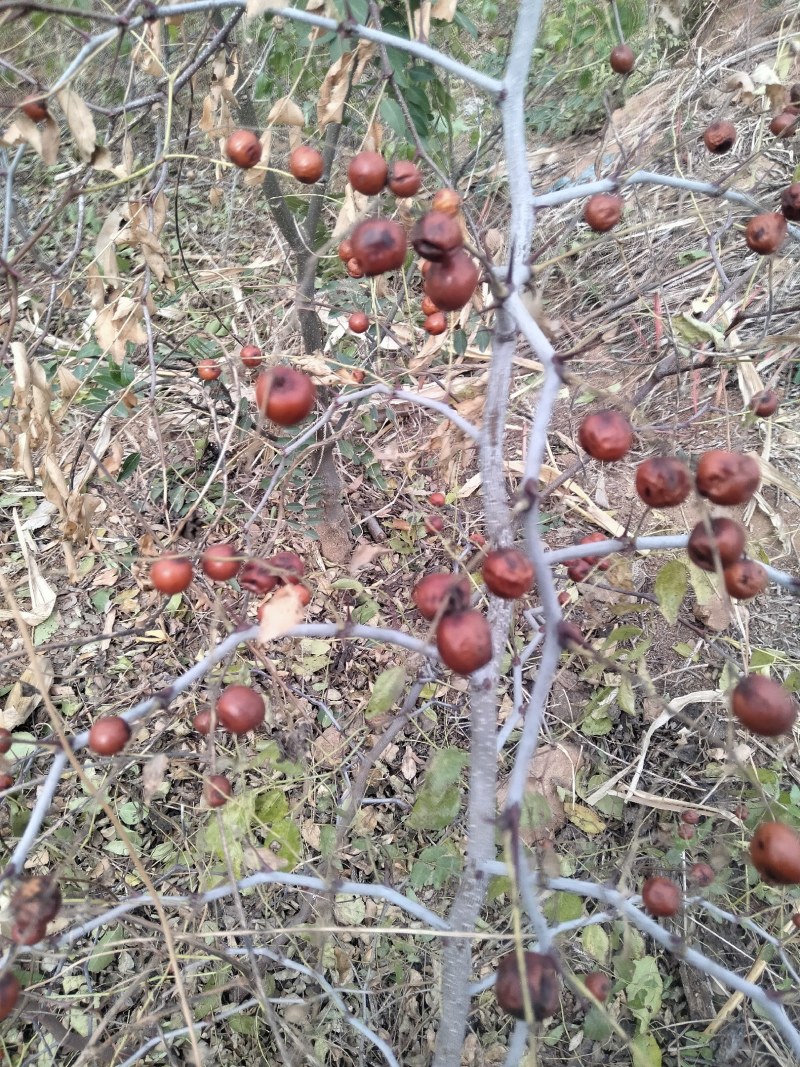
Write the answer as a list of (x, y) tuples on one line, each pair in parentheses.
[(288, 565), (256, 576), (428, 306), (240, 708), (765, 233), (606, 435), (598, 984), (661, 897), (221, 562), (775, 853), (379, 245), (368, 173), (436, 236), (346, 250), (109, 735), (745, 579), (578, 570), (404, 178), (685, 832), (171, 574), (603, 211), (285, 395), (728, 537), (763, 706), (727, 477), (765, 403), (701, 874), (540, 977), (216, 790), (663, 482), (720, 137), (508, 573), (451, 283), (464, 640), (243, 148), (9, 993), (306, 164), (622, 59), (353, 268)]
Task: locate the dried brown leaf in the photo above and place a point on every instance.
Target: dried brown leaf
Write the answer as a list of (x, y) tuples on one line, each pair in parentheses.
[(80, 121)]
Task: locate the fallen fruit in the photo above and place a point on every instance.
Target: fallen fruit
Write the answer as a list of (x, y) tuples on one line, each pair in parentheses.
[(601, 562), (775, 853), (256, 576), (784, 124), (790, 202), (109, 735), (240, 709), (764, 403), (763, 706), (606, 435), (727, 477), (578, 570), (508, 573), (243, 148), (661, 897), (434, 523), (285, 395), (603, 211), (663, 482), (540, 977), (720, 137), (464, 640)]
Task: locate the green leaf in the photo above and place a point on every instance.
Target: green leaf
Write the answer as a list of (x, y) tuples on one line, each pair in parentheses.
[(393, 116), (439, 799), (436, 865), (101, 959), (643, 989), (672, 581), (596, 1026), (389, 687), (703, 584), (563, 907), (596, 943), (645, 1052)]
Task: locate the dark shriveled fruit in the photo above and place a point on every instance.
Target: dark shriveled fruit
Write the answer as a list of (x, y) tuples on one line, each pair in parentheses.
[(663, 482), (701, 874), (540, 975), (508, 573), (622, 59), (579, 570), (379, 245), (775, 853), (109, 735), (603, 211), (257, 577), (285, 395), (790, 202), (240, 708), (763, 706), (464, 640), (6, 781), (745, 579), (728, 537), (661, 897), (451, 283), (727, 477), (434, 590), (606, 435), (765, 233), (764, 403), (243, 148), (6, 740), (35, 902), (720, 137), (9, 993), (368, 173), (436, 236)]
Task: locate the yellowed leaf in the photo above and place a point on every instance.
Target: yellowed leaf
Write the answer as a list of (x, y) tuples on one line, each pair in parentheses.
[(80, 121), (281, 613), (25, 696), (584, 818)]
